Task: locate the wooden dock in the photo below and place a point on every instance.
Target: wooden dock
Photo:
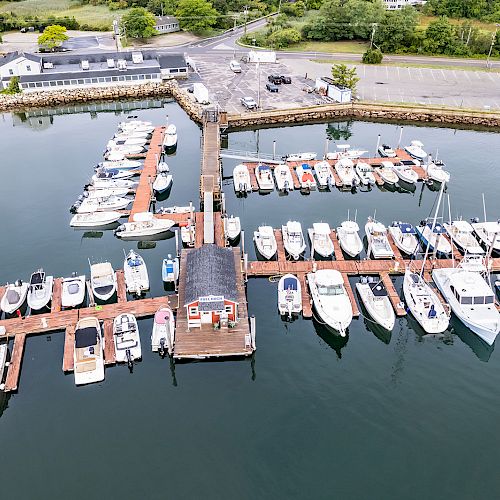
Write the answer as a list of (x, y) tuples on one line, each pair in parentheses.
[(339, 255), (210, 178), (306, 298), (352, 299)]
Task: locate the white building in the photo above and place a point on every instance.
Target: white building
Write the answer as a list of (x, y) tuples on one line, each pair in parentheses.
[(166, 24)]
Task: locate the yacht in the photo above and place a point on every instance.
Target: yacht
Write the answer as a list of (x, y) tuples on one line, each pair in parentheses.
[(283, 176), (108, 204), (346, 172), (170, 139), (163, 333), (289, 295), (40, 290), (126, 339), (88, 355), (241, 179), (386, 151), (113, 174), (126, 143), (365, 173), (98, 183), (306, 177), (434, 236), (376, 300), (345, 151), (95, 219), (102, 280), (349, 240), (462, 234), (264, 177), (404, 236), (105, 192), (124, 164), (321, 242), (135, 273), (488, 234), (145, 224), (232, 227), (323, 173), (415, 150), (378, 243), (73, 291), (293, 239), (14, 297), (265, 241), (387, 174)]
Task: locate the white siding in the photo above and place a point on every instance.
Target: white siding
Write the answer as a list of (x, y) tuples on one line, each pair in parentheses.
[(20, 67)]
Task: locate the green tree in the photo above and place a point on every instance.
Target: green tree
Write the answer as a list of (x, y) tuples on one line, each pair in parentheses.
[(440, 37), (13, 87), (283, 38), (344, 76), (53, 36), (196, 15), (372, 56), (397, 30), (139, 23)]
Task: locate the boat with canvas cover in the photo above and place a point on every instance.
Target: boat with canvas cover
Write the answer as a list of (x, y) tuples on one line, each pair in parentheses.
[(73, 291), (265, 241), (232, 227), (321, 242), (365, 173), (283, 176), (163, 333), (264, 177), (40, 290), (404, 236), (107, 183), (378, 243), (289, 295), (14, 297), (349, 240), (95, 219), (88, 352), (376, 300), (462, 234), (241, 179), (300, 156), (102, 280), (346, 172), (324, 174), (126, 339), (387, 174), (306, 177), (170, 138), (135, 274), (415, 150), (162, 183), (434, 235), (386, 151), (488, 234), (293, 239), (145, 224), (170, 269)]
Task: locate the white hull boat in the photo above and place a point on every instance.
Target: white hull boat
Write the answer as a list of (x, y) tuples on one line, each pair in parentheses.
[(386, 151), (121, 165), (128, 143), (415, 150), (132, 150), (349, 240), (106, 192), (345, 170), (404, 236), (126, 339), (163, 334), (73, 291), (289, 295), (265, 241), (330, 299), (132, 134), (435, 171), (176, 210), (293, 239), (488, 234), (324, 175), (321, 242), (264, 177), (162, 183), (306, 177), (95, 219), (40, 290), (162, 168), (145, 224), (283, 176), (301, 157), (170, 139), (405, 173), (365, 173), (99, 183), (232, 227), (188, 235), (102, 281), (241, 179), (170, 270), (108, 204), (112, 174), (88, 355), (434, 238), (135, 273), (376, 300), (462, 234), (345, 151), (387, 173), (378, 243), (14, 297)]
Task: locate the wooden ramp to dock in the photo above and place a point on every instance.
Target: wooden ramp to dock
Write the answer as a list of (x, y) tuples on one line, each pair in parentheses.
[(14, 371), (210, 179), (397, 303), (280, 245), (336, 246), (306, 297), (56, 295), (121, 289)]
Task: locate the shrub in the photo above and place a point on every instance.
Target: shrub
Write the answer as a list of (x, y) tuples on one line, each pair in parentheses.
[(13, 87), (372, 56), (283, 38)]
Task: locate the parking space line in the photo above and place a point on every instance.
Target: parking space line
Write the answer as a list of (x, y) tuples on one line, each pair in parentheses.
[(432, 74), (399, 77), (442, 72)]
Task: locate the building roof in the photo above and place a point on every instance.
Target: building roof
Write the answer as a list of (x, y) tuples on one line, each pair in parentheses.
[(12, 56), (210, 271), (160, 20), (172, 61)]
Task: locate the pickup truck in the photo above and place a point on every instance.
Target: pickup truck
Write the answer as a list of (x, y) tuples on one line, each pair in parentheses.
[(248, 102)]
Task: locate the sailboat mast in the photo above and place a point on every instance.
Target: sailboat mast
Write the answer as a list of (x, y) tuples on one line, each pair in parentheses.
[(484, 208)]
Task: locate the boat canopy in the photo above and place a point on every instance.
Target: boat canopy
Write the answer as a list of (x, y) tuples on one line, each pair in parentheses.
[(13, 296), (321, 228), (378, 289), (161, 317), (134, 262), (290, 283), (406, 228), (438, 228), (86, 337)]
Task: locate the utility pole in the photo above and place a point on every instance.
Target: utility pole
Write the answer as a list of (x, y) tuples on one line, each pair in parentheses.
[(374, 28), (245, 12), (493, 39)]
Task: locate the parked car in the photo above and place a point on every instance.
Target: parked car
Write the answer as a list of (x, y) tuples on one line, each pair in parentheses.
[(248, 102), (285, 79), (271, 87), (235, 66), (276, 79)]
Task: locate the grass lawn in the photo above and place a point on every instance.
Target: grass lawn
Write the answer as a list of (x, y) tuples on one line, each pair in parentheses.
[(489, 27), (344, 46)]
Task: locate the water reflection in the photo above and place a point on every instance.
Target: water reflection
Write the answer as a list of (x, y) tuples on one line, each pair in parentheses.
[(331, 337), (379, 331), (480, 348)]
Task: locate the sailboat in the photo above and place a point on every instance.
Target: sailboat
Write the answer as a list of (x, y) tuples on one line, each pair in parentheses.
[(163, 333), (376, 300), (265, 241), (40, 290), (289, 295), (293, 239), (321, 242), (135, 273), (283, 176), (432, 234)]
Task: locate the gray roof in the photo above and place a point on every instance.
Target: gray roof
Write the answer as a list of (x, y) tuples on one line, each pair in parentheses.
[(165, 20), (210, 271), (11, 56), (172, 61), (95, 57)]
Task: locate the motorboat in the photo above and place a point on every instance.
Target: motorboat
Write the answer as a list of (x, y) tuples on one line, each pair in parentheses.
[(40, 290), (264, 177), (144, 225), (102, 280), (434, 236), (321, 242), (241, 179), (345, 170), (330, 299), (265, 241), (488, 234), (170, 269), (124, 164), (324, 174), (163, 333), (114, 156), (88, 352), (107, 204), (301, 156), (365, 173), (162, 183), (130, 150), (293, 239), (175, 210), (378, 243), (127, 142), (305, 176), (462, 234), (73, 291), (232, 227), (132, 133), (404, 236), (349, 240), (105, 183), (467, 290), (188, 234), (436, 172), (375, 298), (162, 167), (289, 295), (106, 192), (424, 303), (112, 173), (126, 339), (386, 151), (387, 173), (415, 150), (283, 176), (345, 151), (135, 273), (170, 139), (14, 297), (136, 125), (405, 173), (95, 219)]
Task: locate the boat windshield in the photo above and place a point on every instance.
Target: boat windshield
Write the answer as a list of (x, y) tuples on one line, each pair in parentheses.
[(488, 299), (330, 289)]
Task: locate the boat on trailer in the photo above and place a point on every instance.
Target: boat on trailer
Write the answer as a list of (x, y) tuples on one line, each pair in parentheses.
[(289, 295)]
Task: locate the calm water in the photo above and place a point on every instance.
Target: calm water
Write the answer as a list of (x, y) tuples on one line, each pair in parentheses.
[(378, 416)]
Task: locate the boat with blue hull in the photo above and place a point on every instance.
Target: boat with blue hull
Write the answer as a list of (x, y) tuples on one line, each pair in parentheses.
[(434, 235)]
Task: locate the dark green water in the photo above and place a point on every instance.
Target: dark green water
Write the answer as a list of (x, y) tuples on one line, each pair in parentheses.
[(377, 417)]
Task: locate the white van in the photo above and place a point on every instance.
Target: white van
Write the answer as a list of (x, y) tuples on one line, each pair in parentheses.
[(235, 66), (200, 93)]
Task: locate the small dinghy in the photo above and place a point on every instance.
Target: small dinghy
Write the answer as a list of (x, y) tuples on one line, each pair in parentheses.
[(306, 177), (436, 172), (434, 237), (283, 176), (265, 241), (126, 339), (321, 242), (73, 291), (135, 274), (264, 177), (144, 225), (386, 151), (462, 234), (105, 192), (232, 227), (293, 239), (365, 173), (40, 290), (170, 269), (488, 233), (378, 243), (163, 334), (162, 183), (345, 170), (324, 175), (241, 179), (88, 355), (349, 240), (112, 183), (102, 280), (405, 173), (415, 150), (108, 204), (404, 236), (124, 164), (95, 219), (14, 297), (300, 157), (376, 300), (387, 174), (289, 295), (170, 139), (188, 234)]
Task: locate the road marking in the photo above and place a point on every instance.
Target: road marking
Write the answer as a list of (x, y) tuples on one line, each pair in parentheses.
[(432, 73), (387, 72), (421, 74), (399, 77), (466, 73), (442, 72)]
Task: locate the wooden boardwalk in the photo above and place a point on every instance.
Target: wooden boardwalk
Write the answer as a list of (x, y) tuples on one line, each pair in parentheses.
[(210, 178)]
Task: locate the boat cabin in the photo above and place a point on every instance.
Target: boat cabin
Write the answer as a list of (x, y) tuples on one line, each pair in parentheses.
[(471, 289), (210, 290)]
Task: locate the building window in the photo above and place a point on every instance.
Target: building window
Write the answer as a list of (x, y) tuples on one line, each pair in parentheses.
[(73, 82), (228, 309), (102, 79), (38, 84), (11, 71), (88, 80), (31, 85), (80, 81), (148, 77), (121, 78), (28, 67), (193, 311), (107, 79), (67, 82), (60, 82), (94, 80), (174, 70), (53, 84), (135, 77), (128, 77), (114, 78)]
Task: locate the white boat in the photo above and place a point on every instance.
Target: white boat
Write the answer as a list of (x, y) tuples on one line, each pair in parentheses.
[(4, 363), (264, 177), (88, 352), (462, 234), (163, 333), (321, 242), (300, 156), (386, 151), (170, 139), (14, 297), (346, 172), (232, 227), (135, 128), (145, 224), (293, 239), (434, 237), (106, 192), (162, 183), (112, 174), (132, 133), (40, 290), (241, 179), (114, 156), (376, 300), (378, 243), (405, 173), (128, 142), (324, 174), (488, 234), (73, 291), (424, 303), (289, 295), (135, 273), (265, 241), (467, 290), (131, 150), (107, 204), (162, 167), (365, 173), (349, 240), (283, 176), (188, 234), (94, 219), (345, 151), (102, 280), (387, 174), (330, 299), (404, 236), (415, 150), (126, 339), (124, 164), (435, 171), (305, 176), (170, 269), (176, 210), (103, 183)]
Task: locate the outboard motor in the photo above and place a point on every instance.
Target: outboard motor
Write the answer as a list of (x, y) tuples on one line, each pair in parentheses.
[(18, 282), (130, 360), (474, 220), (161, 350)]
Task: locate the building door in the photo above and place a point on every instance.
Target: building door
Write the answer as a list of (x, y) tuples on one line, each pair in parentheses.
[(206, 317)]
